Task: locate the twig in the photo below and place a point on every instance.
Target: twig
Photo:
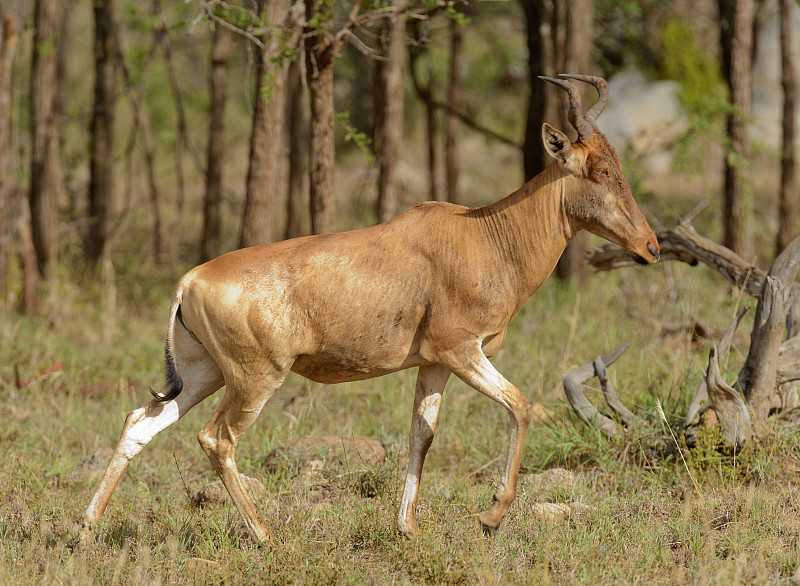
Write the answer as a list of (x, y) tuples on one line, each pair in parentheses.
[(180, 473)]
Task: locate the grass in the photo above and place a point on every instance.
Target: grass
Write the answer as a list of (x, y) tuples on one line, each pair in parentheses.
[(646, 521)]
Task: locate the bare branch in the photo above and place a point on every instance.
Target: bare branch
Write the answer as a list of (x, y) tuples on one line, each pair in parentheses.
[(628, 418), (701, 397), (729, 405), (683, 243), (572, 382)]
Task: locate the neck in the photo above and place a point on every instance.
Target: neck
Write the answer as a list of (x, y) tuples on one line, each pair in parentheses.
[(529, 229)]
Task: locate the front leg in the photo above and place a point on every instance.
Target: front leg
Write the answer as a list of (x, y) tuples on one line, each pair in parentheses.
[(471, 365), (427, 399)]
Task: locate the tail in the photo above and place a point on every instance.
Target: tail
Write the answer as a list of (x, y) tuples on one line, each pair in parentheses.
[(174, 384)]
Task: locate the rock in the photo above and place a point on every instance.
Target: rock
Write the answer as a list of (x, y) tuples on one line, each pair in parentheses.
[(554, 484), (94, 465), (215, 493), (310, 453), (200, 567), (558, 512), (643, 118)]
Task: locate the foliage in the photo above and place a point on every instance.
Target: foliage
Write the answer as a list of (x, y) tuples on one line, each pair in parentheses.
[(625, 33), (358, 137), (703, 93)]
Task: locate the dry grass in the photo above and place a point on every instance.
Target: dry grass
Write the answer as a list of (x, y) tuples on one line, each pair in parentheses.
[(645, 521)]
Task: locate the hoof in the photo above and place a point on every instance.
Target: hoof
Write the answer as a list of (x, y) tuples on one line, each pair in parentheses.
[(85, 536), (488, 530), (408, 531)]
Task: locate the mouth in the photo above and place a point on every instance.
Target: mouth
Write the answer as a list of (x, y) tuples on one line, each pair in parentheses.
[(654, 253)]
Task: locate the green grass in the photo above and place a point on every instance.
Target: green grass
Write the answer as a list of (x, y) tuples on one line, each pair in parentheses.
[(646, 522)]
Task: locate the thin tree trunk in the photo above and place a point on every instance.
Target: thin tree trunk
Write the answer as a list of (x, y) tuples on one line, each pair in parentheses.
[(184, 138), (425, 93), (319, 69), (543, 24), (736, 28), (217, 79), (102, 200), (392, 138), (258, 224), (8, 41), (44, 179), (27, 258), (454, 91), (298, 140), (788, 189), (143, 124), (533, 152), (578, 50)]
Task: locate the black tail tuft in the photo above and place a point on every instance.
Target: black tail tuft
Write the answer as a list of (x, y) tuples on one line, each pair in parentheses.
[(174, 384)]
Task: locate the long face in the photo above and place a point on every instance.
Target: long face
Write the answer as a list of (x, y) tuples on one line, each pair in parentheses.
[(602, 202), (598, 199)]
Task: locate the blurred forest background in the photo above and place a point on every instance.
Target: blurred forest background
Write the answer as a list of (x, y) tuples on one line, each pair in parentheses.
[(169, 133)]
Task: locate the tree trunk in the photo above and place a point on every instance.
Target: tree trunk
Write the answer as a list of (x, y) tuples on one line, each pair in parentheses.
[(454, 91), (143, 126), (758, 374), (102, 200), (44, 179), (533, 153), (8, 41), (319, 69), (788, 188), (425, 93), (298, 139), (217, 81), (578, 49), (736, 35), (392, 136), (27, 257), (258, 224)]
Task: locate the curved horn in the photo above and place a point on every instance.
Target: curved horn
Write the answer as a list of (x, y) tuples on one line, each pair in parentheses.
[(602, 95), (584, 128)]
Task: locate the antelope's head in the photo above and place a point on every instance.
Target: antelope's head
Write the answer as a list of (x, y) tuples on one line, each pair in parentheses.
[(600, 200)]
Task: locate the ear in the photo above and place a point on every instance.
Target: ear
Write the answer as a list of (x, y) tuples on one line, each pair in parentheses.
[(557, 144)]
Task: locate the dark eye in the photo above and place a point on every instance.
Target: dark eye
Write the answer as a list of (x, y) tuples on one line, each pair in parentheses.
[(602, 172)]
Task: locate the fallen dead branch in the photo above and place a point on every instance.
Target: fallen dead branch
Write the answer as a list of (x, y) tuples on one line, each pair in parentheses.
[(573, 382), (767, 382)]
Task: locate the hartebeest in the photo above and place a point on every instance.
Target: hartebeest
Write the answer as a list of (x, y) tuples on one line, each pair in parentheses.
[(434, 287)]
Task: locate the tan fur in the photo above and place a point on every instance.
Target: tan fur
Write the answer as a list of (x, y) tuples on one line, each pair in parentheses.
[(434, 287)]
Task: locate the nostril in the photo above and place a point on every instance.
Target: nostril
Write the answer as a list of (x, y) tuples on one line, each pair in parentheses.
[(652, 250)]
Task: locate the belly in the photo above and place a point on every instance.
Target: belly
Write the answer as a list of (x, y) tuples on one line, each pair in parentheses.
[(328, 368)]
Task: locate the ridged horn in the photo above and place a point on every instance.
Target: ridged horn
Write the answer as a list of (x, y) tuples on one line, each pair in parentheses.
[(602, 95), (584, 128)]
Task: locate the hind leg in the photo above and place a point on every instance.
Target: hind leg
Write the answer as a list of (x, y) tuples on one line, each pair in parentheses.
[(201, 378), (431, 381), (242, 404)]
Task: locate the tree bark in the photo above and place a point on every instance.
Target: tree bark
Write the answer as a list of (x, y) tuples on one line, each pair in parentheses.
[(258, 224), (425, 94), (392, 136), (454, 91), (736, 35), (102, 199), (143, 125), (298, 151), (44, 176), (319, 69), (215, 151), (8, 41), (757, 377), (788, 188), (578, 49)]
